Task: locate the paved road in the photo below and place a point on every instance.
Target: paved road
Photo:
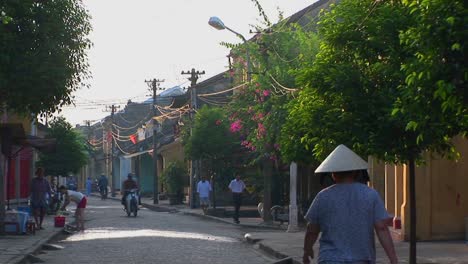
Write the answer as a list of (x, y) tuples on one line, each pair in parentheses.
[(152, 237)]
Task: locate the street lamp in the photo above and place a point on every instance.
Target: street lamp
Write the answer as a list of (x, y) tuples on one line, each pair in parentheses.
[(219, 25)]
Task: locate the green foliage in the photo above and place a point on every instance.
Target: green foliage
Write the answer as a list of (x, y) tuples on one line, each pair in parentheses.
[(210, 137), (260, 108), (434, 97), (4, 18), (71, 151), (173, 176), (43, 53), (357, 93)]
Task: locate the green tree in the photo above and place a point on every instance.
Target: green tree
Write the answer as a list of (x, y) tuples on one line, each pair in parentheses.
[(173, 176), (212, 142), (43, 53), (71, 152), (433, 98), (258, 111), (358, 95)]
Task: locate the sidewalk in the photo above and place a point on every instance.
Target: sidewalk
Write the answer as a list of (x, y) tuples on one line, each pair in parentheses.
[(15, 248), (283, 244)]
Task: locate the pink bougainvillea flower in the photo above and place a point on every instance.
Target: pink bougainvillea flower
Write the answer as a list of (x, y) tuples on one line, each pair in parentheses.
[(218, 122), (257, 91), (257, 84), (261, 131), (266, 93), (236, 126)]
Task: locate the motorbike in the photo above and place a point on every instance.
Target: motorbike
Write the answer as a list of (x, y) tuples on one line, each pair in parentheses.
[(131, 203), (103, 192), (54, 204)]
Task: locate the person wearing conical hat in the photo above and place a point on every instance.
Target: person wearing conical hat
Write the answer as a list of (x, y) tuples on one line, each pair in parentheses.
[(346, 214)]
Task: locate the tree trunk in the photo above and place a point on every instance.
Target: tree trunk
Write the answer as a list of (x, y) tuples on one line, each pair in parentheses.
[(267, 171), (412, 190), (2, 194)]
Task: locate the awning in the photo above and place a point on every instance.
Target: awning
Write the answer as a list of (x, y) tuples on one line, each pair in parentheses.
[(13, 134), (137, 153), (42, 144)]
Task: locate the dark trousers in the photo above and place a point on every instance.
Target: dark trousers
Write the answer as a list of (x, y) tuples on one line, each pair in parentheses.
[(237, 199)]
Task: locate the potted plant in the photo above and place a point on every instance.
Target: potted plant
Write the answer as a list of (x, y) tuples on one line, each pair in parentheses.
[(173, 176)]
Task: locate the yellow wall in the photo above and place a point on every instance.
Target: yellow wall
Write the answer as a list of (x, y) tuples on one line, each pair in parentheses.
[(172, 153), (441, 196)]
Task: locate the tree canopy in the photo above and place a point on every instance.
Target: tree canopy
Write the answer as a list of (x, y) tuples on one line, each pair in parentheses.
[(71, 150), (43, 53), (210, 137)]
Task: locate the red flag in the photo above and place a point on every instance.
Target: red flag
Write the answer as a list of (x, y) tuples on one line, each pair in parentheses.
[(133, 138)]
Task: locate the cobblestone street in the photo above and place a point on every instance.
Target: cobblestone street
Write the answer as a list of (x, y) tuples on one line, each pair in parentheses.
[(152, 237)]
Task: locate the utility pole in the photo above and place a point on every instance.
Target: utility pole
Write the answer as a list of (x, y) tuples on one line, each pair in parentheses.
[(194, 169), (112, 109), (88, 132), (154, 86)]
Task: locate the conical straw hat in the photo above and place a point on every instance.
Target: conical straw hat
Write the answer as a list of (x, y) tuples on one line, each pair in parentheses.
[(342, 159)]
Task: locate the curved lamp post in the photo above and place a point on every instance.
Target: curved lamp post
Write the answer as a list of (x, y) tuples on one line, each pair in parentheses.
[(219, 25)]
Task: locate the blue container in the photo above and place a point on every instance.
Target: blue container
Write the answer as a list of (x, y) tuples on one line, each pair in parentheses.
[(25, 209)]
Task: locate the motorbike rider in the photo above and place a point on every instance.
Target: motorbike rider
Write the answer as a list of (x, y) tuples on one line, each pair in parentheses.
[(103, 183), (128, 185)]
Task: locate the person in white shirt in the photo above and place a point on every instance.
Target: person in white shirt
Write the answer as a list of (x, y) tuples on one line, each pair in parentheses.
[(237, 187), (203, 190), (80, 200)]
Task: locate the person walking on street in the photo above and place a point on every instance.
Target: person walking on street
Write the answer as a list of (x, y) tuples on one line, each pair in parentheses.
[(346, 213), (40, 193), (203, 190), (89, 184), (80, 200), (237, 187), (103, 183)]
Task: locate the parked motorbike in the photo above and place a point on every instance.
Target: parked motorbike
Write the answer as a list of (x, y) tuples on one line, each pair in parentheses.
[(131, 203), (54, 204)]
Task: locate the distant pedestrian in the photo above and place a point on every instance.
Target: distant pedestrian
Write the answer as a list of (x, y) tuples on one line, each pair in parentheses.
[(237, 187), (89, 184), (80, 200), (203, 190), (346, 213), (103, 183), (40, 193)]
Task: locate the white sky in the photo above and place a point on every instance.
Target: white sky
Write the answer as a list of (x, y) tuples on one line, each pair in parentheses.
[(143, 39)]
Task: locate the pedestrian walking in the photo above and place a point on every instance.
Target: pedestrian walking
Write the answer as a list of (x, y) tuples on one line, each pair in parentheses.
[(80, 200), (203, 190), (89, 184), (346, 213), (40, 193), (237, 187)]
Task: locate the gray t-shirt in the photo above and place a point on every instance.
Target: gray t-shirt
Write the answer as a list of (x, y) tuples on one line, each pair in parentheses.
[(346, 214)]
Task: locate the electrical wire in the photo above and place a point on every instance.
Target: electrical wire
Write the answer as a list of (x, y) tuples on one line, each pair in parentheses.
[(282, 86), (224, 91), (118, 146)]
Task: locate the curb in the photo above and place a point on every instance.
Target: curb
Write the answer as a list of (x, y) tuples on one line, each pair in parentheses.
[(282, 258), (224, 221), (36, 247)]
